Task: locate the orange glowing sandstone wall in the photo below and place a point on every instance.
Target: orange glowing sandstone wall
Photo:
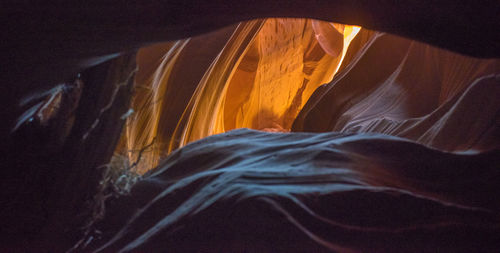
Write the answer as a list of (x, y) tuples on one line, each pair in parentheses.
[(260, 79)]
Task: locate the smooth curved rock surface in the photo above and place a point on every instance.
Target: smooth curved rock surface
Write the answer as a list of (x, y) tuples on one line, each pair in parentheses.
[(251, 191)]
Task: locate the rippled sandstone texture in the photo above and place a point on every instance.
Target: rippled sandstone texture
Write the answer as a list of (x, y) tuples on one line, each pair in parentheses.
[(251, 191)]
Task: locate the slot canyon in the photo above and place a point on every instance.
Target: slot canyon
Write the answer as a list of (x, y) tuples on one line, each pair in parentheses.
[(250, 126)]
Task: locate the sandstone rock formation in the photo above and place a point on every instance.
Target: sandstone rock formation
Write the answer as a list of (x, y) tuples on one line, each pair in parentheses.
[(390, 144)]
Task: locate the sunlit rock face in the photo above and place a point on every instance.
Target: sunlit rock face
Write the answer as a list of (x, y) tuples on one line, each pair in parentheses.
[(287, 61), (261, 78)]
